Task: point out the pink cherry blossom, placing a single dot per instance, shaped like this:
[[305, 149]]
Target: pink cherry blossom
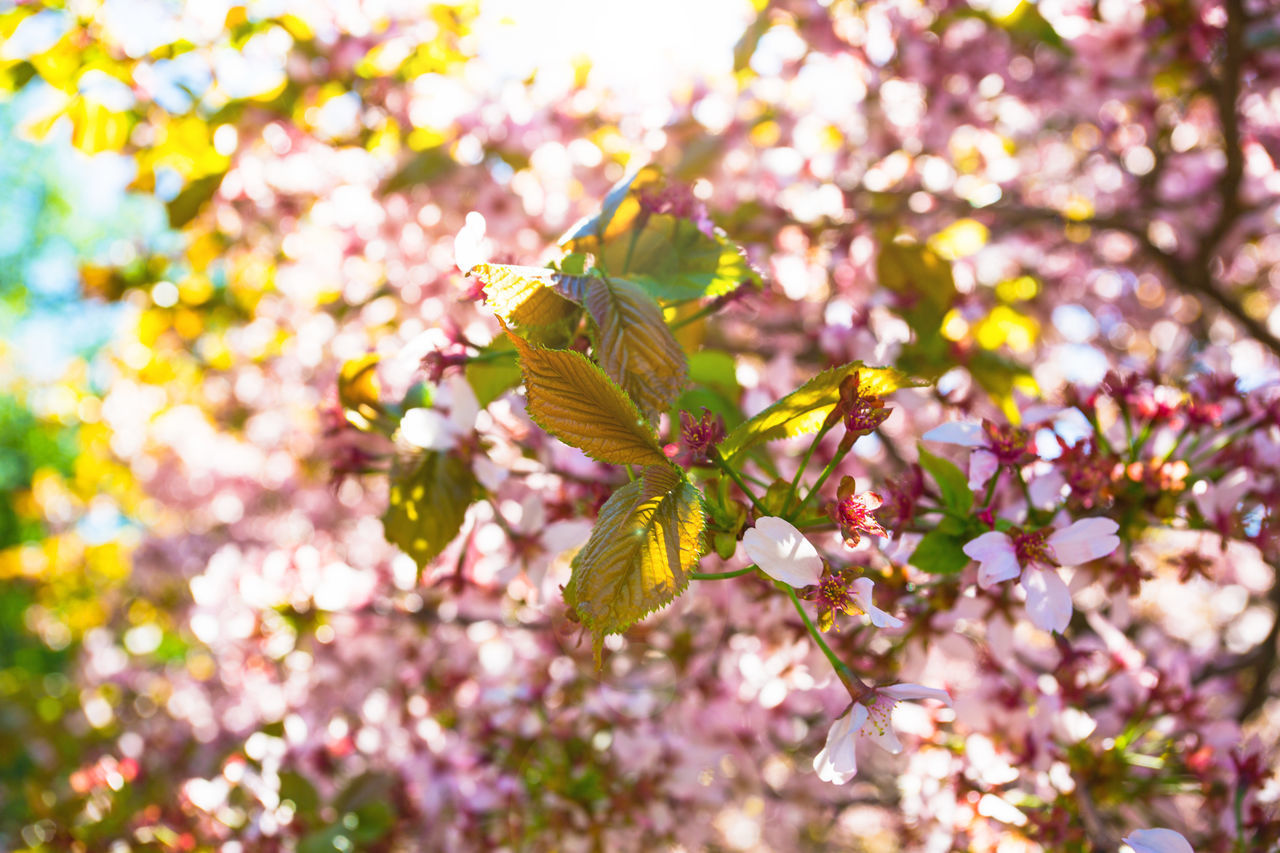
[[1034, 555], [837, 762], [782, 552]]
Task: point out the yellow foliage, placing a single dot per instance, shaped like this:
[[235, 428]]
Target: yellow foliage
[[960, 239], [1006, 327]]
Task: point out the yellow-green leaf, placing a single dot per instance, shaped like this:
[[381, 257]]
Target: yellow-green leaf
[[493, 371], [671, 259], [617, 211], [645, 543], [428, 501], [574, 400], [525, 298], [636, 348], [803, 410]]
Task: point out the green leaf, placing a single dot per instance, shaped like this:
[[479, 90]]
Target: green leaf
[[526, 298], [645, 543], [803, 410], [591, 229], [671, 259], [188, 203], [574, 400], [425, 167], [429, 499], [952, 483], [923, 279], [493, 371], [636, 348], [715, 369], [939, 554]]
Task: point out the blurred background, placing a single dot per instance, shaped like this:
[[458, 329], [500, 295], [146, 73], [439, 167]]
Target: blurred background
[[206, 208]]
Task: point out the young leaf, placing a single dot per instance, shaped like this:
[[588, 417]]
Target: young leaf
[[803, 410], [429, 499], [671, 259], [952, 483], [526, 298], [645, 543], [939, 554], [575, 401], [494, 371], [636, 348], [588, 231]]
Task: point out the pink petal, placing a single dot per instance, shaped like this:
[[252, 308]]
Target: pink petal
[[838, 761], [996, 558], [782, 552], [982, 464], [1048, 599], [1085, 540], [910, 691], [1158, 841], [958, 432]]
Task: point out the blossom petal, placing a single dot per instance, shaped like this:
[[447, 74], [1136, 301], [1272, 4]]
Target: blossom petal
[[428, 429], [1085, 540], [1048, 599], [838, 762], [782, 552], [467, 245], [1158, 841], [908, 691], [862, 588], [1046, 490], [997, 561], [982, 464], [958, 432], [885, 737]]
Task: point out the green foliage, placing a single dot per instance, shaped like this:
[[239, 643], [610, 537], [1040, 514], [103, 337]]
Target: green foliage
[[429, 497], [953, 485], [525, 297], [671, 259], [645, 543], [574, 400], [635, 346], [939, 553], [494, 371], [803, 411]]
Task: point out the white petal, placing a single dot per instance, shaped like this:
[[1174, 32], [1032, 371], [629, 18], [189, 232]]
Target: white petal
[[463, 405], [427, 428], [982, 464], [467, 245], [1048, 599], [838, 762], [958, 432], [916, 691], [782, 552], [1085, 540], [862, 588], [1158, 841], [886, 739], [996, 558]]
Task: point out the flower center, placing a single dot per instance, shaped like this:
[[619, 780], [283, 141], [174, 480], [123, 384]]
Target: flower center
[[880, 713], [1034, 548]]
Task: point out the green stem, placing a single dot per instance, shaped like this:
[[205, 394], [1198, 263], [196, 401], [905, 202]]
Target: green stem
[[804, 463], [737, 478], [836, 663], [822, 478], [1239, 811], [719, 576]]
